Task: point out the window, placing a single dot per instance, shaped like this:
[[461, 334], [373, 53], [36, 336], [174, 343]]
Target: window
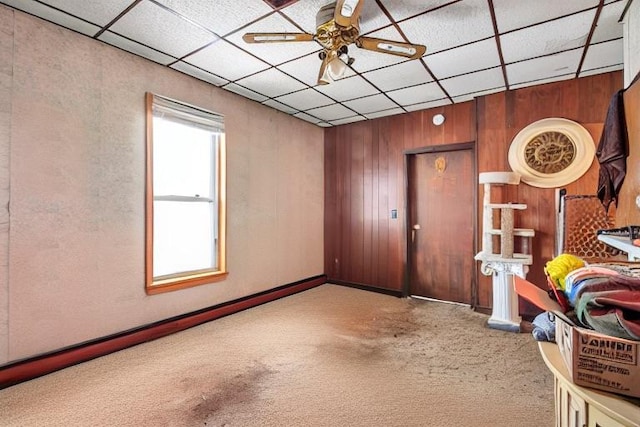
[[185, 210]]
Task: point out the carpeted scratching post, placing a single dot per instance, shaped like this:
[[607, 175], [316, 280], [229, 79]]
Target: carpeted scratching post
[[504, 264]]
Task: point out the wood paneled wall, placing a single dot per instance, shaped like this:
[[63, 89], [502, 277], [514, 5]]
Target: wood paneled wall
[[364, 174]]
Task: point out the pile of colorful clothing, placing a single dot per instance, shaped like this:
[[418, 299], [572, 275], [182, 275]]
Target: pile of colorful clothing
[[604, 297]]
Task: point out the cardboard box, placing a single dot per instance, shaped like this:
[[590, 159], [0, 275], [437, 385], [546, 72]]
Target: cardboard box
[[593, 359]]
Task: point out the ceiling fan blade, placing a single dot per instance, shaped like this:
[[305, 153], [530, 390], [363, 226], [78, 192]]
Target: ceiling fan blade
[[407, 50], [277, 37], [347, 12]]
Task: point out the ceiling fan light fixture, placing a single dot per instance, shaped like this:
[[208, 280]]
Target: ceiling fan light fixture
[[397, 49], [336, 68]]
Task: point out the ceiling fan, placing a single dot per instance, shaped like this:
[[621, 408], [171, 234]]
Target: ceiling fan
[[338, 26]]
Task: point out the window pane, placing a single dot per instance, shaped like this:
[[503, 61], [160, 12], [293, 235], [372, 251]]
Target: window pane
[[183, 238], [182, 159]]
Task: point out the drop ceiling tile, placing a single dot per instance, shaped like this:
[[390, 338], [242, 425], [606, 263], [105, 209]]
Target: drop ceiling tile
[[199, 74], [427, 105], [135, 48], [464, 59], [604, 55], [274, 53], [226, 61], [525, 13], [491, 79], [470, 96], [369, 104], [324, 124], [305, 99], [308, 118], [279, 106], [162, 30], [460, 23], [220, 16], [247, 93], [52, 15], [408, 73], [595, 71], [543, 81], [401, 9], [366, 60], [344, 121], [345, 89], [417, 94], [271, 83], [547, 68], [306, 69], [608, 26], [331, 112], [98, 12], [544, 39], [385, 113]]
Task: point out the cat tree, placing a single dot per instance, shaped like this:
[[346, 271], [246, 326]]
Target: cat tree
[[504, 264]]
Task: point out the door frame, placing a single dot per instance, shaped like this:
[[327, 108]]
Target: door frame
[[471, 146]]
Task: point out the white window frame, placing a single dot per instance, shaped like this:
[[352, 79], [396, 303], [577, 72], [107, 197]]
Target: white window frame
[[161, 107]]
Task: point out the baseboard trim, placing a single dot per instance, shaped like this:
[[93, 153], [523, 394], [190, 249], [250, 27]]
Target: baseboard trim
[[369, 288], [27, 369]]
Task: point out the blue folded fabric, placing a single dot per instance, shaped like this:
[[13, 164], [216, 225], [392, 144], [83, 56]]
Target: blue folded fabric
[[544, 327]]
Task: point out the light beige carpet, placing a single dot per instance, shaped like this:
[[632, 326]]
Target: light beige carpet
[[330, 356]]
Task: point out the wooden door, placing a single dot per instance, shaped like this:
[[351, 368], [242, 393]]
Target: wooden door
[[441, 224]]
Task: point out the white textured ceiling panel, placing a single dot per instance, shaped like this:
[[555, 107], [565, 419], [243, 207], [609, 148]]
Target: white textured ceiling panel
[[136, 48], [370, 104], [549, 38], [309, 118], [155, 27], [247, 93], [417, 94], [271, 83], [491, 79], [53, 15], [227, 61], [465, 59], [402, 9], [274, 53], [542, 41], [425, 105], [460, 23], [595, 71], [528, 13], [279, 106], [346, 120], [405, 74], [219, 16], [384, 113], [305, 99], [608, 26], [198, 73], [331, 112], [98, 12], [603, 55], [558, 66], [346, 89]]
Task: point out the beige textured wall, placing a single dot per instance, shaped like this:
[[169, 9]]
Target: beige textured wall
[[73, 122]]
